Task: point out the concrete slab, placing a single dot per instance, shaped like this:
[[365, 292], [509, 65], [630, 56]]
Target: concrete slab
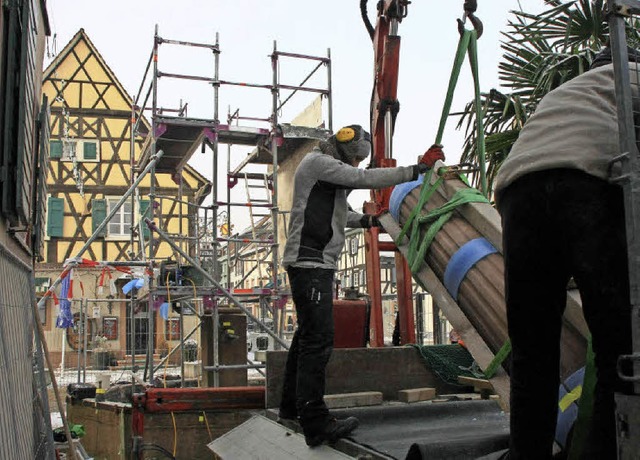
[[364, 398], [261, 438]]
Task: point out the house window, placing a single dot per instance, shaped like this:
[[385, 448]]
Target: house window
[[80, 149], [120, 223], [353, 246], [172, 329]]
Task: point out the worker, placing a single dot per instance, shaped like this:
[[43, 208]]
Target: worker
[[319, 215], [563, 218]]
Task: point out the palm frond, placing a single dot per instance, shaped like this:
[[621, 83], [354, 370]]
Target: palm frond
[[541, 52]]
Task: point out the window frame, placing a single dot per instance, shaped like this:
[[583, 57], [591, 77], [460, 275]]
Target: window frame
[[78, 145], [111, 200]]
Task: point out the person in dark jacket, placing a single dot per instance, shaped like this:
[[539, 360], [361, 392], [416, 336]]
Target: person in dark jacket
[[563, 218], [319, 215]]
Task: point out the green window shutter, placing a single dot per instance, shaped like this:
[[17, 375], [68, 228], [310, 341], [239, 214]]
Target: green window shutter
[[55, 149], [90, 150], [144, 205], [98, 214], [56, 217]]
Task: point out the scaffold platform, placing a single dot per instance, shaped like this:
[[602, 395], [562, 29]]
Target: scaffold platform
[[180, 137]]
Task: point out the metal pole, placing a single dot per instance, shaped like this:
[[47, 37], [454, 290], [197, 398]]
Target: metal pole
[[216, 345], [214, 282], [329, 92], [85, 338], [152, 191], [64, 348], [630, 177], [274, 175], [134, 127], [181, 348], [214, 230], [214, 179], [80, 331], [228, 219]]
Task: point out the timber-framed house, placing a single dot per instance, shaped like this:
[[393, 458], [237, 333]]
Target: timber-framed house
[[90, 169]]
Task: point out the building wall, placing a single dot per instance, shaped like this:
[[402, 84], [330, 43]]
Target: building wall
[[90, 107], [24, 424]]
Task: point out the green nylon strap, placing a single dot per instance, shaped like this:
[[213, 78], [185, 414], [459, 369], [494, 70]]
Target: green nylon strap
[[436, 218], [463, 45], [497, 360], [468, 44], [425, 194], [477, 102]]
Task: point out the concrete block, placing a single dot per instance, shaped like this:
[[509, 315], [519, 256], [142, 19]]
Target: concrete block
[[416, 394], [364, 398], [192, 370]]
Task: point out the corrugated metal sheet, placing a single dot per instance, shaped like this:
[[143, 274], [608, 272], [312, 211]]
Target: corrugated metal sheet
[[24, 432]]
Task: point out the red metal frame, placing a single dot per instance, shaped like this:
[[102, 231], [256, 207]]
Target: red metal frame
[[199, 399], [166, 400], [387, 59]]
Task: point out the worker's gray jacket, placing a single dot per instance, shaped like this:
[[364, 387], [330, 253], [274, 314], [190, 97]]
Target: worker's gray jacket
[[319, 213], [575, 126]]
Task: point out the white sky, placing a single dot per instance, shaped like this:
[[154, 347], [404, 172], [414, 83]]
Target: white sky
[[123, 33]]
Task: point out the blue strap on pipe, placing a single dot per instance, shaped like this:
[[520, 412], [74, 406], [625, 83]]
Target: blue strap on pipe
[[399, 193], [463, 260]]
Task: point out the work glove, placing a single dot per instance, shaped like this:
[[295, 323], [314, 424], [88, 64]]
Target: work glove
[[433, 154], [369, 221]]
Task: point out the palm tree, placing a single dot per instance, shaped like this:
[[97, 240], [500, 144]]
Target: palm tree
[[540, 53]]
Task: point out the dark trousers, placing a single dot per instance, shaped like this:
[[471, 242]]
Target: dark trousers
[[557, 224], [311, 347]]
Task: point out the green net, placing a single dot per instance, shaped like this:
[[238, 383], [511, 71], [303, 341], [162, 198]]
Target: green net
[[449, 362]]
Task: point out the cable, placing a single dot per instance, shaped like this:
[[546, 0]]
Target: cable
[[365, 18], [150, 446], [166, 365], [204, 414]]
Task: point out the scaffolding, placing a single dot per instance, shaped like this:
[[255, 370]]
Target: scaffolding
[[168, 145], [625, 14]]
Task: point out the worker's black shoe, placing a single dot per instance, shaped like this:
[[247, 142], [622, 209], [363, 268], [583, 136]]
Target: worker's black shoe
[[284, 414], [333, 430]]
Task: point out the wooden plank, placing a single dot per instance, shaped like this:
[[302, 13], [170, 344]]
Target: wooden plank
[[478, 384]]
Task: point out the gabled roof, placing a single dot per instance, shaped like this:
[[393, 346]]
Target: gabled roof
[[82, 37], [66, 53]]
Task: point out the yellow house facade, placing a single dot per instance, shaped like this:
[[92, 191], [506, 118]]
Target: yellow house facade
[[92, 163]]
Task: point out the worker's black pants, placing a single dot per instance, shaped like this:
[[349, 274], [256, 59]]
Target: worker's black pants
[[557, 224], [311, 347]]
